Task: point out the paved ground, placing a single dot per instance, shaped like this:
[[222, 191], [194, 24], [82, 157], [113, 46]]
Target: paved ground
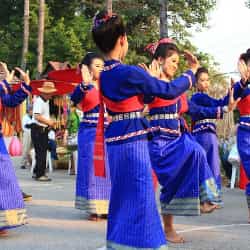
[[54, 224]]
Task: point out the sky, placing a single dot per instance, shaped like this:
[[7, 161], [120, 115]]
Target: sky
[[228, 34]]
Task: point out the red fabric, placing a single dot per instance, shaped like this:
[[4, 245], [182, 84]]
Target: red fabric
[[66, 75], [99, 148], [159, 103], [243, 178], [155, 180], [244, 106], [0, 111], [128, 105], [91, 100], [184, 104]]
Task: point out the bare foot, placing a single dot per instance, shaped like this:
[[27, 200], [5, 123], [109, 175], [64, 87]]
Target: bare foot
[[207, 207], [218, 206], [173, 236], [3, 233]]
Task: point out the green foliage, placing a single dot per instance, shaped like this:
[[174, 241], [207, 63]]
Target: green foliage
[[68, 28]]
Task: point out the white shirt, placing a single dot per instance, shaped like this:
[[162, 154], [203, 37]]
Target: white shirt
[[26, 121], [41, 107], [52, 135]]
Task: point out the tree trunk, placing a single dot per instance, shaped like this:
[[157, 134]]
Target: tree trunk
[[40, 38], [109, 6], [163, 18], [25, 34]]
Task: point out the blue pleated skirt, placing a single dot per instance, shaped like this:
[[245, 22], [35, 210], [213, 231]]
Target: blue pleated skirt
[[183, 173], [209, 142], [12, 211], [133, 221], [92, 192], [243, 143]]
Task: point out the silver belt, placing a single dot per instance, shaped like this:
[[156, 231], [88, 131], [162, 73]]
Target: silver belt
[[91, 115], [127, 116], [245, 116], [205, 121], [164, 116]]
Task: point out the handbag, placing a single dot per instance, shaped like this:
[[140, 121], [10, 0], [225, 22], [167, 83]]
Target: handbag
[[72, 140]]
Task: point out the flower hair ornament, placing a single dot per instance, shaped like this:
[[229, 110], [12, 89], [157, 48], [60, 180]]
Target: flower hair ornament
[[151, 48], [99, 21]]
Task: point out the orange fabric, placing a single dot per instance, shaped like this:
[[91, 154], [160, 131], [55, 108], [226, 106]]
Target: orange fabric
[[91, 100]]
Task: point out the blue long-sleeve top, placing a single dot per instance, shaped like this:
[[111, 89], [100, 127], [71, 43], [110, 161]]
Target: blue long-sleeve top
[[205, 100], [174, 127], [120, 82], [89, 118], [12, 100]]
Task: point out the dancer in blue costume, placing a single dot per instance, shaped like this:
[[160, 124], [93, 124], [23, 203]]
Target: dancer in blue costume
[[12, 211], [92, 192], [243, 133], [204, 130], [133, 221], [188, 186]]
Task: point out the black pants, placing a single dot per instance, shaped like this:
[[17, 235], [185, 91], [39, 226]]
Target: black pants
[[39, 136]]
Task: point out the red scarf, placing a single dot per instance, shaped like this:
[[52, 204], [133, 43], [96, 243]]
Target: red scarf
[[99, 148]]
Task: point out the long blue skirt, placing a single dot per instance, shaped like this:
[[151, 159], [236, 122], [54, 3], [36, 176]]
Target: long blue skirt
[[243, 143], [183, 173], [12, 211], [92, 192], [133, 221], [209, 143]]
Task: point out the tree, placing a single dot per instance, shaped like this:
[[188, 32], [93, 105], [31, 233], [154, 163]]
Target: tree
[[25, 34], [109, 6], [163, 18], [68, 25], [40, 47]]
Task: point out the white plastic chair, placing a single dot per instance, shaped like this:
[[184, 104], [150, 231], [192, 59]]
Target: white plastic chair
[[235, 167], [234, 159], [73, 155]]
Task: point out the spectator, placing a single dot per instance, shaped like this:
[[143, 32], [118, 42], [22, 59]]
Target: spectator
[[26, 126], [41, 122]]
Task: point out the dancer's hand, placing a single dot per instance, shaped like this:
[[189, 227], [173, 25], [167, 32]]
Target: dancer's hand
[[87, 77], [153, 69], [243, 70], [232, 104], [192, 61], [8, 76], [24, 75]]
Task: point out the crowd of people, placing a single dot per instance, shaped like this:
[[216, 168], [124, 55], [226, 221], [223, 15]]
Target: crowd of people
[[120, 151]]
